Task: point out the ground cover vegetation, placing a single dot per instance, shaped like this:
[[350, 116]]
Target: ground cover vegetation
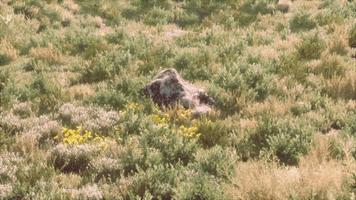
[[75, 125]]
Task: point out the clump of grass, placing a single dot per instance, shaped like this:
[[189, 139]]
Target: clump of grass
[[331, 66], [8, 52], [352, 36], [48, 54], [342, 87]]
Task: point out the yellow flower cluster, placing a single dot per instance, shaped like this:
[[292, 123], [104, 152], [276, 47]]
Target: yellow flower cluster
[[133, 106], [159, 120], [79, 136], [189, 132], [180, 120]]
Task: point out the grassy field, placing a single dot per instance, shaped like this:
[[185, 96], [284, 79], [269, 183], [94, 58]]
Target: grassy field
[[74, 124]]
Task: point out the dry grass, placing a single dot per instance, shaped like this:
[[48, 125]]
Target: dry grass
[[342, 87], [49, 54], [317, 177], [8, 50]]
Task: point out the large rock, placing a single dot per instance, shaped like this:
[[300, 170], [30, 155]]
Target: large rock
[[168, 88]]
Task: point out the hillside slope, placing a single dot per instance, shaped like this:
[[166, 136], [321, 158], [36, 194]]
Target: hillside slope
[[73, 123]]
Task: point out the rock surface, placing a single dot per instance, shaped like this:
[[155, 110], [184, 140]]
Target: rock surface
[[168, 88]]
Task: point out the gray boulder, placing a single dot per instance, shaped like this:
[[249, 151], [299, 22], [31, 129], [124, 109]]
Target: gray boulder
[[168, 88]]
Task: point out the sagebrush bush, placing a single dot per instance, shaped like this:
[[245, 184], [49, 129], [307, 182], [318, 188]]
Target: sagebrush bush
[[105, 167], [302, 21], [249, 10], [158, 181], [46, 94], [22, 109], [199, 186], [83, 43], [158, 16], [106, 66], [217, 162], [278, 138], [85, 192], [290, 65], [213, 133], [72, 158], [90, 118], [311, 46]]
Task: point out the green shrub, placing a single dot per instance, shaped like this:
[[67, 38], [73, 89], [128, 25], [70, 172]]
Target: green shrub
[[229, 80], [300, 108], [117, 37], [227, 102], [105, 66], [214, 133], [329, 16], [311, 47], [184, 19], [13, 92], [4, 59], [302, 21], [199, 186], [250, 9], [83, 43], [195, 65], [350, 127], [109, 97], [278, 138], [256, 82], [158, 16], [157, 182], [173, 147], [352, 36], [205, 8], [145, 4], [216, 161], [46, 94], [291, 65], [133, 156]]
